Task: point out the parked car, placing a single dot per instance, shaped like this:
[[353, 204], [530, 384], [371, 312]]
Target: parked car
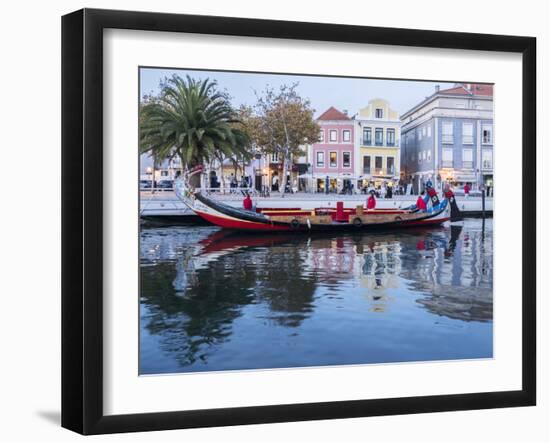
[[144, 184], [165, 184]]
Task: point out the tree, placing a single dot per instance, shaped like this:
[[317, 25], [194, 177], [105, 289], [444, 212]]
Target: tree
[[191, 120], [283, 123]]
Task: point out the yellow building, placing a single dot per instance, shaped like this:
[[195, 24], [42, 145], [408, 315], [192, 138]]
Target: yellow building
[[379, 133]]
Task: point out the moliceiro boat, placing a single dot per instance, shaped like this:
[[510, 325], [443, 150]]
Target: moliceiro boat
[[318, 219]]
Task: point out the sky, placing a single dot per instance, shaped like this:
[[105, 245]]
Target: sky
[[349, 94]]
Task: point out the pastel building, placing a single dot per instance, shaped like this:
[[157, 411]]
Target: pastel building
[[378, 142], [448, 137], [332, 158]]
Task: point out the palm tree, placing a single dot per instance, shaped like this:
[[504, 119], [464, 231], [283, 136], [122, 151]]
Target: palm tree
[[191, 120]]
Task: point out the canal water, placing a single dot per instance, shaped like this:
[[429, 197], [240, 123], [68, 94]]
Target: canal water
[[212, 300]]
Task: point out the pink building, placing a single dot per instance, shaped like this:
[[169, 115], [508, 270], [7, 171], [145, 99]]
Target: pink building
[[332, 158]]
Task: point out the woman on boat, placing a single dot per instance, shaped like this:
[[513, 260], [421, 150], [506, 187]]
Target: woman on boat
[[247, 202], [371, 201], [420, 202]]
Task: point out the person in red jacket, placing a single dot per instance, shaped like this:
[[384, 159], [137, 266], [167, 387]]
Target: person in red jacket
[[466, 189], [432, 194], [450, 196], [420, 202], [371, 201], [448, 192], [247, 202]]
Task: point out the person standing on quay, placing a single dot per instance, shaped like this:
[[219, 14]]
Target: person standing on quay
[[371, 201], [466, 190]]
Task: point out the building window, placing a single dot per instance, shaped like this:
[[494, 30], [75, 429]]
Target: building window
[[467, 158], [366, 164], [333, 159], [333, 135], [390, 137], [487, 159], [378, 164], [390, 164], [379, 136], [420, 133], [447, 158], [275, 157], [367, 136], [379, 113], [447, 133], [321, 136], [346, 159], [346, 135], [320, 159], [429, 155], [487, 134], [429, 131], [467, 133]]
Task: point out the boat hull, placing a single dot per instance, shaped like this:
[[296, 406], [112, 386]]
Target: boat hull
[[229, 217], [223, 216]]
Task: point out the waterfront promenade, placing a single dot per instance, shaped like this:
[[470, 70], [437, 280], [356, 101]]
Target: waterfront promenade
[[166, 204]]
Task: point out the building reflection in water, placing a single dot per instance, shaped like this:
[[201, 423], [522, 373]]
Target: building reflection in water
[[196, 282]]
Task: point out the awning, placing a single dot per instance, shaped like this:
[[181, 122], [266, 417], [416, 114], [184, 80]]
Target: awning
[[465, 178], [333, 176]]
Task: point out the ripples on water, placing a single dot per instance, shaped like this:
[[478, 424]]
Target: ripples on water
[[214, 300]]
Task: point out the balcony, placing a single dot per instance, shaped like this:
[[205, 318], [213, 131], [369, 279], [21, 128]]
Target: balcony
[[366, 170], [447, 139], [388, 144], [446, 163], [467, 164]]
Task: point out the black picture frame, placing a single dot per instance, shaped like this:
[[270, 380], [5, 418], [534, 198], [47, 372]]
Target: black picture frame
[[82, 215]]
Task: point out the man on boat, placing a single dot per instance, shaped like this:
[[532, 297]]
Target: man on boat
[[420, 202], [371, 201], [450, 196], [432, 194], [247, 202]]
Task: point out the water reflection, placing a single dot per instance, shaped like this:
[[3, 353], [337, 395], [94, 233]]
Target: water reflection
[[215, 300]]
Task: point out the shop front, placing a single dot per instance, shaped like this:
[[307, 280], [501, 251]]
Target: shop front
[[339, 184], [489, 184]]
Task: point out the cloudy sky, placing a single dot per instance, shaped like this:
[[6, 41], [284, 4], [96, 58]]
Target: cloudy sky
[[349, 94]]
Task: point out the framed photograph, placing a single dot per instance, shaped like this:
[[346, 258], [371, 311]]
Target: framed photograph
[[269, 221]]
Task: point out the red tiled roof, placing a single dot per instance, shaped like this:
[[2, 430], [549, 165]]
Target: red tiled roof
[[333, 114], [469, 89]]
